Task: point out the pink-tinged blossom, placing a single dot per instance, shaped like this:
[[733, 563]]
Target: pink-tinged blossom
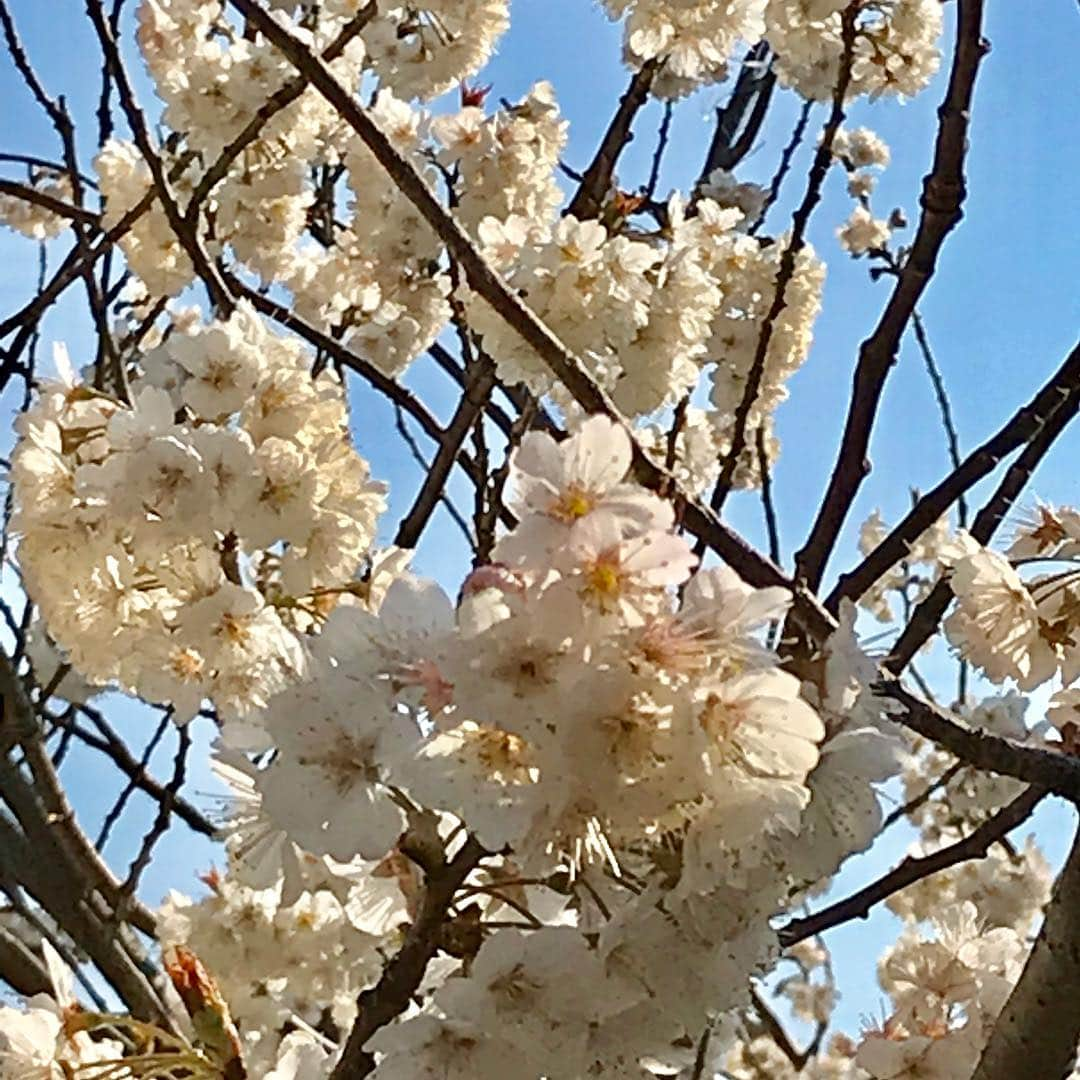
[[612, 576], [556, 487]]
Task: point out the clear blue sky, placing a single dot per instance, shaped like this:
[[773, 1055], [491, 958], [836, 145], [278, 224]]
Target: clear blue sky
[[1001, 313]]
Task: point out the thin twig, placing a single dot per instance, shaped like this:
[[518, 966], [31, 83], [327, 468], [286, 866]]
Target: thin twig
[[786, 158], [786, 270], [911, 870]]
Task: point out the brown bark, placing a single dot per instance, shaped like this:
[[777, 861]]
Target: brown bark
[[1037, 1032]]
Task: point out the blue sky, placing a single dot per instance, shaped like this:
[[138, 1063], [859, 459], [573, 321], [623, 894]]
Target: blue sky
[[1001, 313]]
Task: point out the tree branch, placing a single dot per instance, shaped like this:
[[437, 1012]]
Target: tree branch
[[924, 622], [1050, 769], [787, 155], [480, 381], [1037, 1032], [57, 206], [596, 179], [20, 968], [753, 86], [401, 977], [942, 202], [911, 870], [1022, 426]]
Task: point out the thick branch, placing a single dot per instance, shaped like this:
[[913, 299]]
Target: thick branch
[[1037, 1031], [57, 206], [942, 201], [401, 977], [754, 85], [20, 968], [1050, 769]]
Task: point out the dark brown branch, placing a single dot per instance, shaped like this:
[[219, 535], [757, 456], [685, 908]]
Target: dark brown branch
[[110, 744], [401, 977], [104, 109], [418, 456], [911, 870], [941, 395], [942, 201], [34, 861], [117, 808], [596, 180], [20, 967], [1045, 768], [662, 137], [1021, 427], [1038, 1029], [160, 825], [750, 564], [754, 85], [778, 1033], [924, 796], [36, 162], [53, 110], [30, 194], [701, 1057], [772, 528], [494, 506], [926, 617], [787, 155], [441, 355], [480, 381], [786, 270]]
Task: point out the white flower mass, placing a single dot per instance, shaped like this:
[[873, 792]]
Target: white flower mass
[[601, 725]]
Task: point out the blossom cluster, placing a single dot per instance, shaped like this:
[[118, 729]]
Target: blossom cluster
[[894, 50], [858, 151], [893, 46], [35, 220], [1016, 627], [649, 318], [946, 992], [178, 543], [636, 766]]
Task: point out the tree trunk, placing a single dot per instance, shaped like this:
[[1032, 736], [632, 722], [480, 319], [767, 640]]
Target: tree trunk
[[1037, 1033]]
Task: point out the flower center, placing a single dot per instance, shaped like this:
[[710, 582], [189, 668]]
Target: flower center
[[573, 504], [604, 580]]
